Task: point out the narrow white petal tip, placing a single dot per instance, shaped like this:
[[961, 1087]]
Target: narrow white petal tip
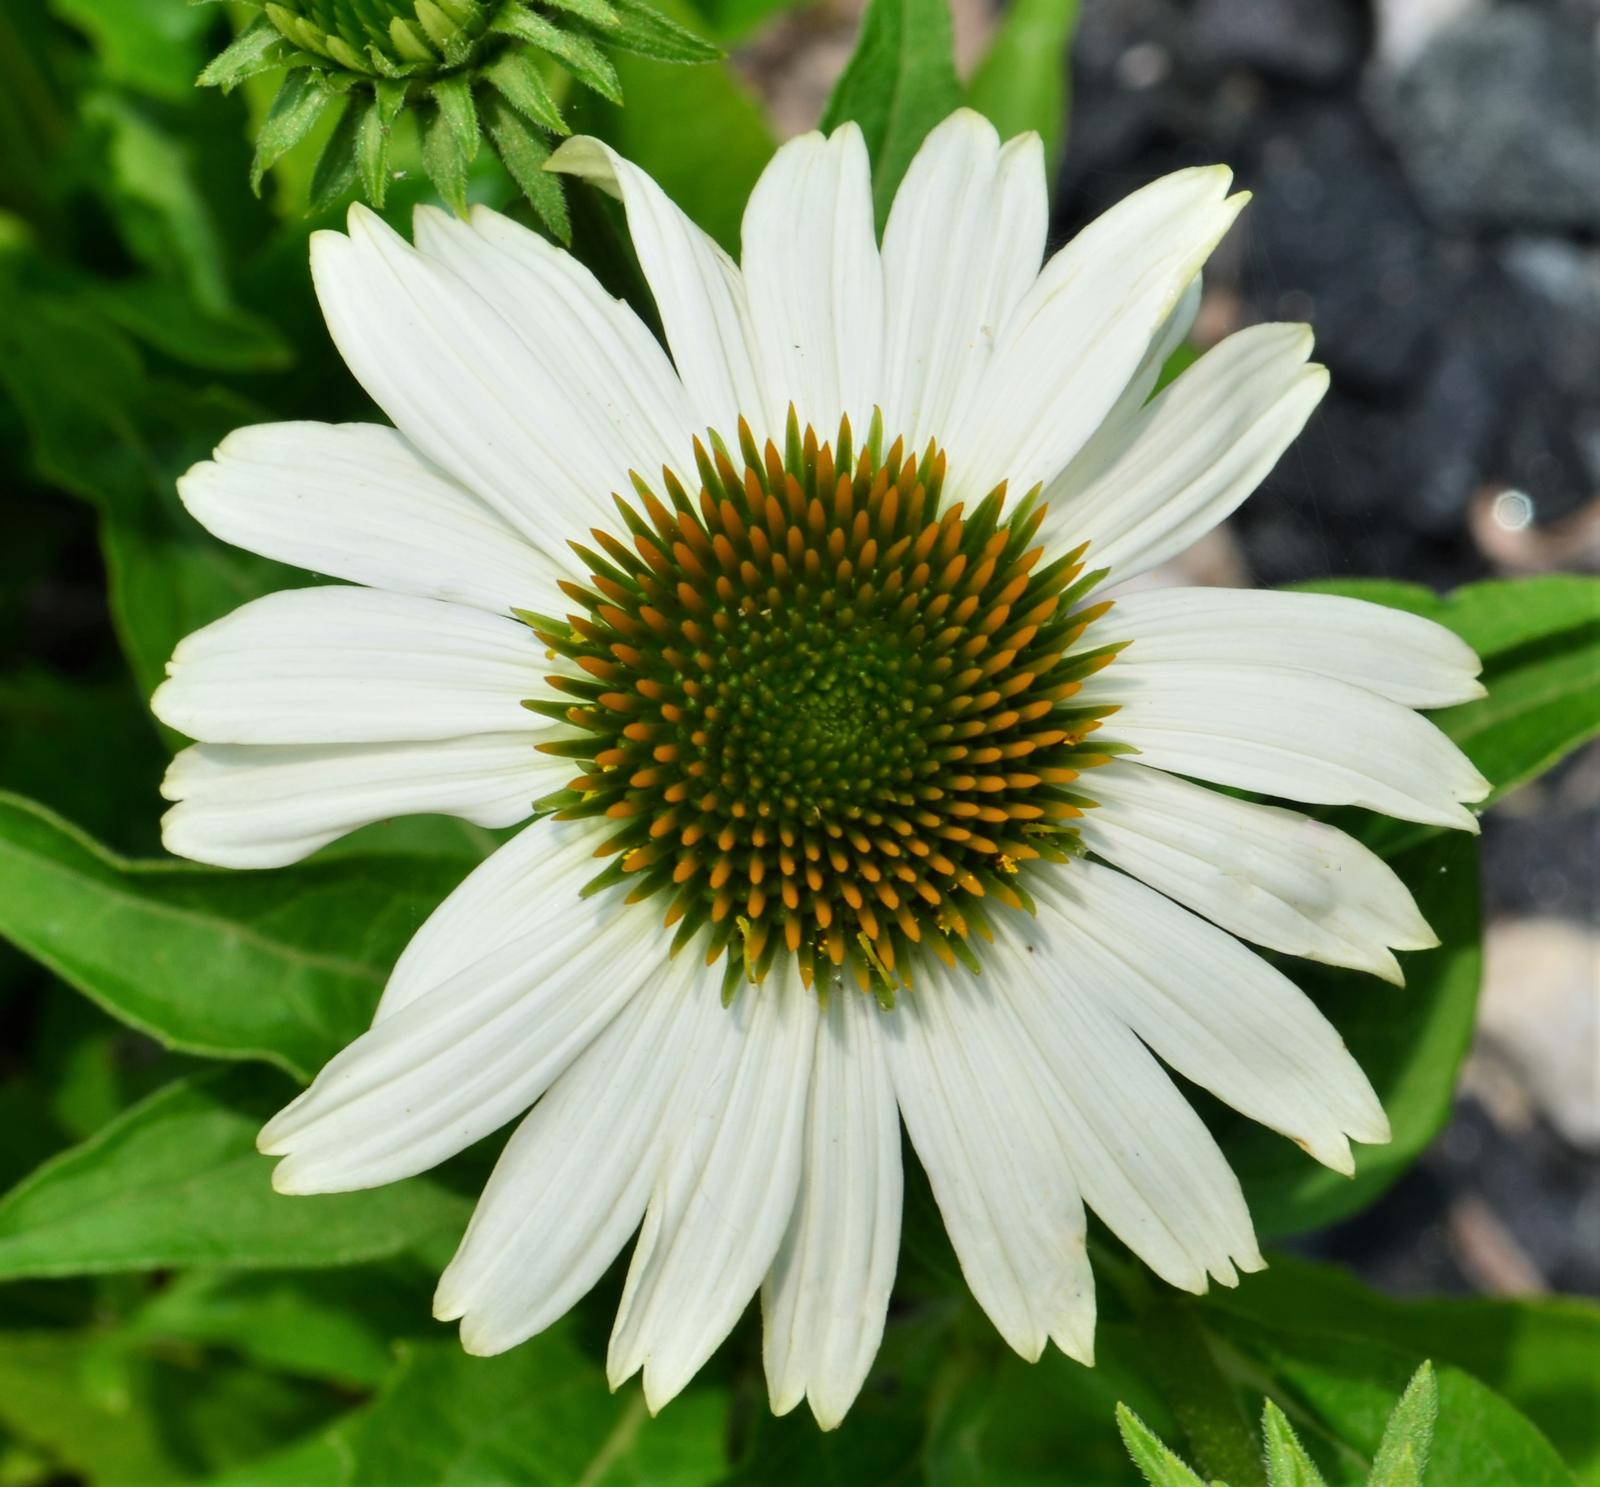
[[662, 1386], [448, 1305], [478, 1338], [1335, 1155], [829, 1413], [1078, 1346], [784, 1397], [1386, 968], [294, 1181]]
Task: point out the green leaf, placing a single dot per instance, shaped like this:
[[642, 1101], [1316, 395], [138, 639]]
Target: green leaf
[[105, 1413], [1409, 1040], [372, 153], [540, 1413], [1161, 1467], [176, 1180], [1287, 1463], [332, 1326], [644, 29], [1021, 83], [151, 46], [258, 48], [1537, 1351], [1402, 1459], [302, 954], [524, 152], [299, 103], [898, 84]]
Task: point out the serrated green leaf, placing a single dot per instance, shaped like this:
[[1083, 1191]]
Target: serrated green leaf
[[1402, 1459], [580, 56], [151, 941], [520, 79], [336, 165], [645, 30], [899, 83], [524, 153], [258, 48], [1287, 1462], [299, 103], [1021, 83], [176, 1180], [1161, 1466]]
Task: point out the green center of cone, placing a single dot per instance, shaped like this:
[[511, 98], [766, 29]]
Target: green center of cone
[[830, 716]]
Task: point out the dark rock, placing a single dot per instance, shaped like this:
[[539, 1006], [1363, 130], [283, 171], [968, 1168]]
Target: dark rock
[[1336, 237], [1498, 120], [1311, 41]]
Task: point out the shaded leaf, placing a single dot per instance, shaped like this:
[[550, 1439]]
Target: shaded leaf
[[176, 1180], [299, 103], [524, 152], [284, 966], [899, 83], [258, 48], [644, 29]]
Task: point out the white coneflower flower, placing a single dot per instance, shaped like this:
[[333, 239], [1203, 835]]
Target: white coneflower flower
[[844, 818]]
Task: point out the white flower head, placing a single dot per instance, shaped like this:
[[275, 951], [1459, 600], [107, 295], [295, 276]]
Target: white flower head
[[800, 637]]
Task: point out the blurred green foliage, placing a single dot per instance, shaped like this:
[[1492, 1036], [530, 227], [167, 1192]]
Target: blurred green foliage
[[164, 1317]]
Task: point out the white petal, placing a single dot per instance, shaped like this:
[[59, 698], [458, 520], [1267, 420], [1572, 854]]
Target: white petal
[[1192, 454], [824, 1302], [1267, 874], [497, 902], [1144, 1160], [348, 665], [1397, 655], [249, 805], [571, 1186], [985, 1118], [698, 289], [1078, 336], [618, 382], [725, 1192], [1120, 425], [355, 501], [962, 246], [1288, 733], [1215, 1011], [472, 1053], [815, 282], [469, 389]]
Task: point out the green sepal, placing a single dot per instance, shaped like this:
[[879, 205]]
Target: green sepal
[[372, 152], [524, 153], [1287, 1462], [295, 110], [645, 30], [580, 56], [1402, 1458], [518, 76], [335, 171], [410, 42], [1161, 1466], [444, 153], [596, 13], [258, 48], [460, 114]]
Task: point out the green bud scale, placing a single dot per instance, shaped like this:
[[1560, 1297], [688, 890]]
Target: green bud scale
[[830, 716], [469, 69]]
